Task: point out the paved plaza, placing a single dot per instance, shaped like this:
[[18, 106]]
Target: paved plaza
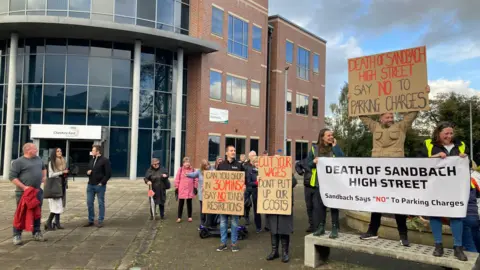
[[76, 247]]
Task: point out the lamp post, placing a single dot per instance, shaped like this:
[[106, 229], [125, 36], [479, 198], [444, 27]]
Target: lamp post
[[471, 132], [285, 122]]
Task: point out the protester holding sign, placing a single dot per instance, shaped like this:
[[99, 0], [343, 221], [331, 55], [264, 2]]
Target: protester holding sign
[[326, 147], [281, 226], [389, 141], [441, 145], [230, 164]]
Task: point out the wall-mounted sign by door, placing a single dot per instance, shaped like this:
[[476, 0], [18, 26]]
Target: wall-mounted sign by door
[[66, 132], [218, 116]]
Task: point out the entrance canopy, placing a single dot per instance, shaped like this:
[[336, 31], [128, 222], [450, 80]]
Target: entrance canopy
[[66, 132]]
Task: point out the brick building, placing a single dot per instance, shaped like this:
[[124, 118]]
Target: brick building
[[154, 78]]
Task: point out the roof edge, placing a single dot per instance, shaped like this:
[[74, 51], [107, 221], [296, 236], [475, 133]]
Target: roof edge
[[273, 17]]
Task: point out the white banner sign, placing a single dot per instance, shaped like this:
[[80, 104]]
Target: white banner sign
[[218, 116], [410, 186]]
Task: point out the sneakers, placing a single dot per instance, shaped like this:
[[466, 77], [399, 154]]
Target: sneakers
[[17, 240], [259, 230], [438, 252], [368, 236], [235, 248], [222, 247], [404, 242], [458, 253], [38, 236]]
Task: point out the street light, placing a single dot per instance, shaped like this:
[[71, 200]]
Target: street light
[[285, 122]]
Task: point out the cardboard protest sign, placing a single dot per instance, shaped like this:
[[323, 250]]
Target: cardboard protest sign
[[223, 192], [275, 186], [432, 187], [388, 82]]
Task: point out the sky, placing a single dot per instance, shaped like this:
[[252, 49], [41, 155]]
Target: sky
[[449, 28]]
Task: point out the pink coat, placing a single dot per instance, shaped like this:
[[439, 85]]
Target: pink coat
[[184, 184]]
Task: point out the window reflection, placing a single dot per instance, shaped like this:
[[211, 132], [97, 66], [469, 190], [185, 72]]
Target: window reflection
[[121, 98]]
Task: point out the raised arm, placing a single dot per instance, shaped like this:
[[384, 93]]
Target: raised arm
[[408, 119], [367, 121], [194, 174]]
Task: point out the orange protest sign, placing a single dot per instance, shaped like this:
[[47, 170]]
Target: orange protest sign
[[275, 186], [223, 192], [388, 82]]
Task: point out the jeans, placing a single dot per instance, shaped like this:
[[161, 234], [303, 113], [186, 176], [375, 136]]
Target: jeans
[[224, 229], [376, 219], [471, 235], [312, 201], [36, 222], [93, 190], [456, 225], [257, 217]]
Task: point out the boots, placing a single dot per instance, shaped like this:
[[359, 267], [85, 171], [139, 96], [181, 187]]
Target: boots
[[458, 253], [334, 233], [320, 230], [48, 224], [275, 242], [438, 252], [57, 222], [285, 247]]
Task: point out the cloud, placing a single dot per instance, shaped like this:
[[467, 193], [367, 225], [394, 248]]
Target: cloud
[[448, 28], [461, 87]]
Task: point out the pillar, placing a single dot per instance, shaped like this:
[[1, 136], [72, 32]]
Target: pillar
[[135, 109], [179, 110], [12, 85]]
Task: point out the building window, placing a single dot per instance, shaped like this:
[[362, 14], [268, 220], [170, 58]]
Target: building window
[[315, 107], [257, 38], [289, 52], [237, 37], [302, 104], [301, 150], [213, 148], [316, 63], [289, 148], [254, 145], [215, 85], [217, 21], [255, 94], [238, 143], [303, 63], [236, 90], [289, 101]]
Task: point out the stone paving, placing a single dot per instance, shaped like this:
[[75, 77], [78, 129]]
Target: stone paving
[[76, 247]]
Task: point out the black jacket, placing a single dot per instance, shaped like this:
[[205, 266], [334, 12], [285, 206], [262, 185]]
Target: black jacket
[[230, 166], [251, 176], [423, 152], [303, 169], [101, 172]]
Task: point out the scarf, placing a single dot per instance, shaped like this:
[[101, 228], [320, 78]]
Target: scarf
[[325, 151], [59, 164]]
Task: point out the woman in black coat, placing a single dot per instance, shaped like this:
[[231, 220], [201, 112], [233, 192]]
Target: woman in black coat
[[158, 178], [281, 226]]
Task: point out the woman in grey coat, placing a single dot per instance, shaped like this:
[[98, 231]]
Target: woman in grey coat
[[158, 178], [281, 226]]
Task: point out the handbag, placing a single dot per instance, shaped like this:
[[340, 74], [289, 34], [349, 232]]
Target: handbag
[[53, 188]]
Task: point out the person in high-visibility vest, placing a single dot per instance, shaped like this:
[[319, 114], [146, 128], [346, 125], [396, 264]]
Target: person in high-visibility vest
[[442, 145], [326, 147]]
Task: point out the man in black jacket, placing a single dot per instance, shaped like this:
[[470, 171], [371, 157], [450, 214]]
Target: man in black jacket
[[229, 164], [312, 195], [99, 172]]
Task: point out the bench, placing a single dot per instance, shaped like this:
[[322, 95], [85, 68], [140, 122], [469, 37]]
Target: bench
[[317, 251]]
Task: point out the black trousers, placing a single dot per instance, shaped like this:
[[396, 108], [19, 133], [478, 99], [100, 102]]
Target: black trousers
[[257, 217], [333, 212], [181, 202], [203, 217], [314, 206], [162, 210], [375, 222]]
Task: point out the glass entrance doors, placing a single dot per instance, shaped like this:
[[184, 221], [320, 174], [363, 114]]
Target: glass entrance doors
[[77, 153]]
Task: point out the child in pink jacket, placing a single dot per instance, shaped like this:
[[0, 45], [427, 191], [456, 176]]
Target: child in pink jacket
[[185, 188]]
